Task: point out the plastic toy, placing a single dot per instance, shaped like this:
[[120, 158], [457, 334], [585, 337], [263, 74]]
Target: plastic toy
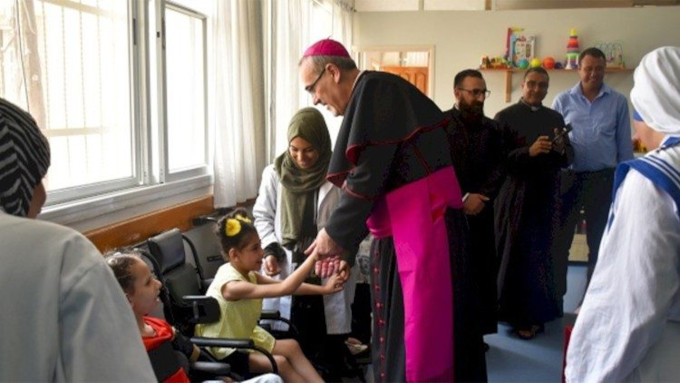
[[572, 50], [523, 64], [486, 63], [535, 62], [549, 63]]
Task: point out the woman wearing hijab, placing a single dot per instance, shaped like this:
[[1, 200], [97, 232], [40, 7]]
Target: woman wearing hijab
[[65, 317], [294, 202], [628, 328]]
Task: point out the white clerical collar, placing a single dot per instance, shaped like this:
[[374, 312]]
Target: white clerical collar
[[534, 108]]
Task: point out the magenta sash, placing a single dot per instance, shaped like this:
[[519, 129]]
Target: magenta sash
[[414, 215]]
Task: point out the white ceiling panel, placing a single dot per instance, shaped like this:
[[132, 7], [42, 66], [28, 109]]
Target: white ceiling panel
[[455, 5], [558, 4], [386, 5], [498, 5]]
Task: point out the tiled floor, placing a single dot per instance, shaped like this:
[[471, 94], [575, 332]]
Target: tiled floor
[[511, 359], [579, 249]]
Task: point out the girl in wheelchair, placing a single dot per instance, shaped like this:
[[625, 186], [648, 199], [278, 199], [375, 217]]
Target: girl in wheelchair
[[142, 291], [239, 289]]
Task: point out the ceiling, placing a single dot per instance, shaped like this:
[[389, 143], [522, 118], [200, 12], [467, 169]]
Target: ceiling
[[480, 5]]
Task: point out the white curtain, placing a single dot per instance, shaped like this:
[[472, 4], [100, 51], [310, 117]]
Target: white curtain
[[290, 30], [257, 48], [342, 13], [286, 38], [342, 22], [238, 111]]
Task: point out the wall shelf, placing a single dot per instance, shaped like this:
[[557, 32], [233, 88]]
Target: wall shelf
[[509, 72]]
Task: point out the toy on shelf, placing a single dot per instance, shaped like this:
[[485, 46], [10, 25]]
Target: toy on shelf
[[518, 46], [572, 51], [510, 41], [613, 52], [549, 63], [523, 48], [486, 63], [494, 63], [535, 62]]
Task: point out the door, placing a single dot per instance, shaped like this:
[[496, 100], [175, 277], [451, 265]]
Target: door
[[416, 75]]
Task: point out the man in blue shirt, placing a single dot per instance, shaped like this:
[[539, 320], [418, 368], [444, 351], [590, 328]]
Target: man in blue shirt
[[601, 138]]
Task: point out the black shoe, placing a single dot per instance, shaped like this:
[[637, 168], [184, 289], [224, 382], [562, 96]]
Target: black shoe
[[485, 347]]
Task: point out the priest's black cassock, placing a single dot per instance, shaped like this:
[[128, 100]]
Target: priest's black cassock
[[526, 218]]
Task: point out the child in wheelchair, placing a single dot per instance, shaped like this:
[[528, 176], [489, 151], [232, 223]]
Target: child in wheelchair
[[239, 289], [142, 291]]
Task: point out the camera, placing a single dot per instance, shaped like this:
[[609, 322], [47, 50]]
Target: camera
[[561, 133], [558, 142]]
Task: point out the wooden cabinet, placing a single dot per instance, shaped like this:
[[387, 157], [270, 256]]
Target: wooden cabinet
[[416, 75]]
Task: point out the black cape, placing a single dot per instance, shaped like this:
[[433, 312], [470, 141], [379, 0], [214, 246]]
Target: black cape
[[391, 135]]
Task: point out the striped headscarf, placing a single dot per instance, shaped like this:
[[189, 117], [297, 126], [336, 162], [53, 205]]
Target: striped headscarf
[[24, 158]]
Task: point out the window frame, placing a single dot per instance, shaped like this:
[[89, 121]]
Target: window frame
[[166, 175], [154, 187], [74, 193]]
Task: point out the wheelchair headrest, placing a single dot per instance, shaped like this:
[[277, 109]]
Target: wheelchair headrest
[[168, 249]]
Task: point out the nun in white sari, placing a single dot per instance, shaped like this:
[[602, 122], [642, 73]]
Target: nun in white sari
[[628, 328]]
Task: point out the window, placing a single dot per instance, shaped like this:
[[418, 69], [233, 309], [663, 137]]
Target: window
[[89, 72], [76, 83], [186, 89]]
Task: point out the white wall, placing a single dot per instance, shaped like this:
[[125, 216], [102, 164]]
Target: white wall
[[461, 38]]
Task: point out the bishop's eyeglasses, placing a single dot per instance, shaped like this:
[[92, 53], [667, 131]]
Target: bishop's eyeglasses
[[310, 88]]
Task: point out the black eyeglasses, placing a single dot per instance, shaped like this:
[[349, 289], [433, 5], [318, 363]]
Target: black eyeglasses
[[310, 88], [477, 92]]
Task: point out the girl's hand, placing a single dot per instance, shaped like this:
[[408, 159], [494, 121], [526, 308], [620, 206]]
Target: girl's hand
[[343, 270], [271, 266], [334, 284]]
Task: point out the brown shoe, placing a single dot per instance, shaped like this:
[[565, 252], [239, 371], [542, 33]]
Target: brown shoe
[[530, 333]]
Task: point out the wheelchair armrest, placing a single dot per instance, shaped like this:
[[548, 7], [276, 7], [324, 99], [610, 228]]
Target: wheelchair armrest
[[270, 314], [236, 343], [276, 315], [212, 368], [223, 342]]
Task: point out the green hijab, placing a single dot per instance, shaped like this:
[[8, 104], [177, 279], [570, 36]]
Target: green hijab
[[301, 185]]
